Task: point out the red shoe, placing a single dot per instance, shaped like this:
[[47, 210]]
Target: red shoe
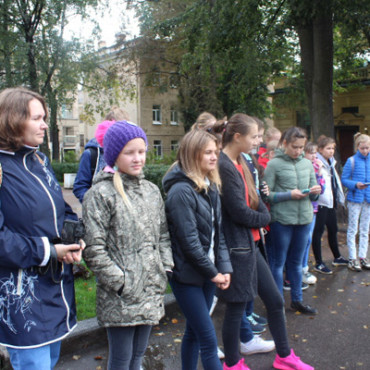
[[292, 362], [239, 366]]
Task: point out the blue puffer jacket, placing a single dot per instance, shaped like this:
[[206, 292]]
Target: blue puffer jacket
[[84, 178], [360, 173], [35, 309]]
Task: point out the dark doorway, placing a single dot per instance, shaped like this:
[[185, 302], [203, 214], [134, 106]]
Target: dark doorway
[[344, 135]]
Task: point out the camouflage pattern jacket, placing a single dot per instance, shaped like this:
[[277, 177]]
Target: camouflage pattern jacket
[[127, 247]]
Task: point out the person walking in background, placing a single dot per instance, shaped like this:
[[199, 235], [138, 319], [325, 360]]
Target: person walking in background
[[328, 202], [243, 214], [127, 246], [292, 183], [92, 160], [356, 177], [201, 257], [37, 301]]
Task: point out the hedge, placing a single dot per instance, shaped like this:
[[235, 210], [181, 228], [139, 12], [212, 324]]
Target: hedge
[[153, 172]]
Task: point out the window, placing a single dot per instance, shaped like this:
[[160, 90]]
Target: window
[[82, 140], [174, 81], [66, 112], [174, 117], [157, 144], [349, 109], [174, 145], [157, 115]]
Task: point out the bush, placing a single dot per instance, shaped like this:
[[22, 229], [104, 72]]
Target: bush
[[155, 173], [70, 156], [61, 168]]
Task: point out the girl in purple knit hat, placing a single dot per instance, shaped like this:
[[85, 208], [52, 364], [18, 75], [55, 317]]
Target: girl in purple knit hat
[[127, 246]]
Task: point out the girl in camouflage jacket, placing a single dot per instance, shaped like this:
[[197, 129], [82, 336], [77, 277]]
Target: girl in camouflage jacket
[[128, 246]]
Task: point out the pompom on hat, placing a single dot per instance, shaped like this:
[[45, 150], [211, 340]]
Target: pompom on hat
[[101, 130], [116, 138]]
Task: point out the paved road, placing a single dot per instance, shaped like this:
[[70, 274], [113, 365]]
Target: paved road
[[337, 338]]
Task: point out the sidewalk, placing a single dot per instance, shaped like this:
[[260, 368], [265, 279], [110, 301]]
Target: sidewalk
[[336, 338]]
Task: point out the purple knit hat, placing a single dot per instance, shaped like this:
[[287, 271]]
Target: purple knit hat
[[117, 136]]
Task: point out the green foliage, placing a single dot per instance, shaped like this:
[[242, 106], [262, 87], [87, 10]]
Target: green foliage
[[70, 156], [61, 168], [155, 173]]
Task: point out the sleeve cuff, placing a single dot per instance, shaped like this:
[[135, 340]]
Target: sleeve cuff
[[46, 242]]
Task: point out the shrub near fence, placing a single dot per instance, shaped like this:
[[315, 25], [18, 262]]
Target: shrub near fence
[[61, 168], [153, 172]]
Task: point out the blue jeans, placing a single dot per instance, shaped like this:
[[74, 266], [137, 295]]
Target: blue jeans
[[195, 302], [246, 333], [41, 358], [289, 245], [127, 346], [307, 251]]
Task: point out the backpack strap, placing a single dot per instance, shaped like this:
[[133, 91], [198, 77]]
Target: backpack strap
[[93, 159]]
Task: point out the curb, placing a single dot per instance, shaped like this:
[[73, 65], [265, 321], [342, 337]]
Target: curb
[[87, 332]]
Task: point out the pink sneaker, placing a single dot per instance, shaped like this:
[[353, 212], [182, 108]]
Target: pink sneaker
[[292, 362], [239, 366]]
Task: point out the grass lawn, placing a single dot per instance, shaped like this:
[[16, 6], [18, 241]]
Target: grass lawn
[[86, 297]]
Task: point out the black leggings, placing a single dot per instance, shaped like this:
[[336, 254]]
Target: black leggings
[[272, 299], [325, 217]]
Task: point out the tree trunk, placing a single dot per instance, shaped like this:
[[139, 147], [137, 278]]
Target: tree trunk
[[53, 122], [316, 42], [322, 87]]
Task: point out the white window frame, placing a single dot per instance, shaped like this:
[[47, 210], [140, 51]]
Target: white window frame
[[174, 145], [174, 117], [156, 114], [158, 149]]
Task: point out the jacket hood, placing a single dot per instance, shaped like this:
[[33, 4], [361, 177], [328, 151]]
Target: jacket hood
[[175, 175], [93, 143], [331, 163], [280, 153], [107, 175]]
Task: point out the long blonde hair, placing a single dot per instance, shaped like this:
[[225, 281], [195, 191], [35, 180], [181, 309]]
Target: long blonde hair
[[191, 149], [118, 185]]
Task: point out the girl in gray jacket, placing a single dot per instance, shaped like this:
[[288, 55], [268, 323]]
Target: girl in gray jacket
[[128, 246]]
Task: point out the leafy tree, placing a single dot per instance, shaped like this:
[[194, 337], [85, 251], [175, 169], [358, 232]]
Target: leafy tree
[[35, 54]]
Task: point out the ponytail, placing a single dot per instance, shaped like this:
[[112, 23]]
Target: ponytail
[[118, 184]]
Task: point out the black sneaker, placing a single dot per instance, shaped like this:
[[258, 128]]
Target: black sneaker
[[255, 326], [286, 285], [261, 320], [322, 269], [340, 261], [303, 308]]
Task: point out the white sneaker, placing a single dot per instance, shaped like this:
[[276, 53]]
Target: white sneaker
[[308, 278], [256, 345], [220, 354]]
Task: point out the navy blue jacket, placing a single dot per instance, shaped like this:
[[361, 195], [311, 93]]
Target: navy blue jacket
[[189, 217], [84, 178], [34, 310], [359, 173]]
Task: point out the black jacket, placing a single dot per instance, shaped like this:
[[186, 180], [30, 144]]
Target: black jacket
[[189, 216], [238, 219]]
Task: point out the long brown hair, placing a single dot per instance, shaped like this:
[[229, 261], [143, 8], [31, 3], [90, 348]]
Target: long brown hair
[[14, 113], [239, 123]]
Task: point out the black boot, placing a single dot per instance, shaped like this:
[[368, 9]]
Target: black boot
[[303, 308]]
